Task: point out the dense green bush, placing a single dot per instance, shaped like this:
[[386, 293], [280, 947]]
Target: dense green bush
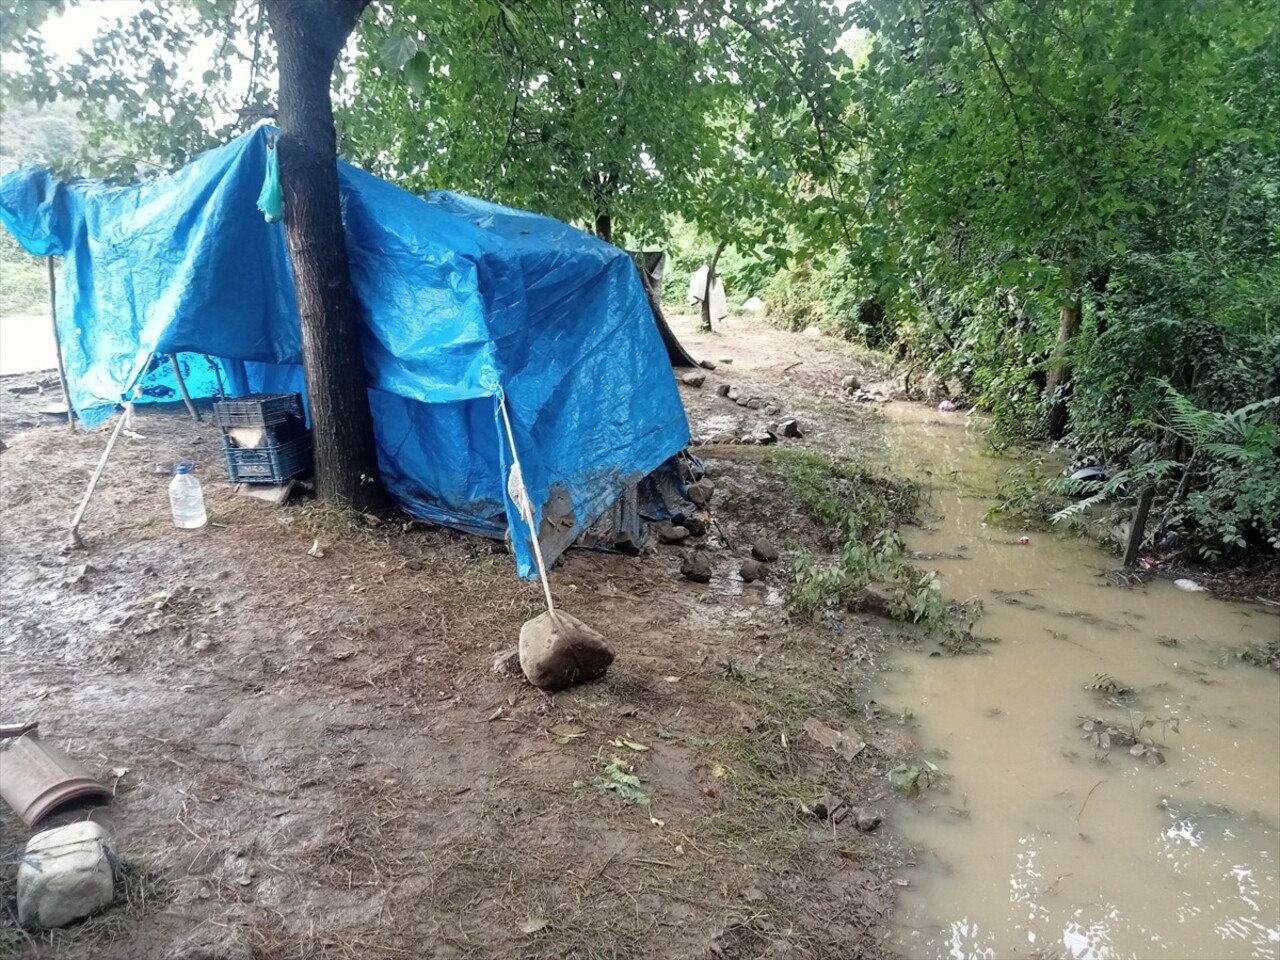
[[1221, 490]]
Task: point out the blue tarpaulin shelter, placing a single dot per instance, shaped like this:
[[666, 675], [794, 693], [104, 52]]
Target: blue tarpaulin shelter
[[463, 301]]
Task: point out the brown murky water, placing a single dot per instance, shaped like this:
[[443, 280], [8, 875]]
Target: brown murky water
[[1036, 841]]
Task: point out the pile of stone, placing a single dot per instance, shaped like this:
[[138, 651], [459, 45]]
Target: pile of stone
[[763, 553], [748, 400], [851, 389]]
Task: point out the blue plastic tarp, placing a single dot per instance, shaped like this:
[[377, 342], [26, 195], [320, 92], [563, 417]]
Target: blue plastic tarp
[[463, 301]]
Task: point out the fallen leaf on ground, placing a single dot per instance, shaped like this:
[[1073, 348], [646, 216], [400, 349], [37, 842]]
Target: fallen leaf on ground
[[842, 743], [629, 744], [531, 926], [564, 732]]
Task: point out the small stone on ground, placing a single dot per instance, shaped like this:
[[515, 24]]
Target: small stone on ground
[[694, 525], [874, 599], [693, 379], [670, 533], [866, 820], [764, 551], [723, 390], [790, 428], [696, 567], [701, 492], [752, 570]]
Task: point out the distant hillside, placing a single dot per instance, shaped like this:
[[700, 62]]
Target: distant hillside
[[28, 134], [51, 134]]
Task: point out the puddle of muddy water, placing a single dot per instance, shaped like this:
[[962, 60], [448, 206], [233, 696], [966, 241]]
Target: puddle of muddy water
[[1039, 843]]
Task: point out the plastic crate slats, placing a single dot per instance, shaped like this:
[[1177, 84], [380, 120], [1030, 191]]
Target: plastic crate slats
[[258, 410]]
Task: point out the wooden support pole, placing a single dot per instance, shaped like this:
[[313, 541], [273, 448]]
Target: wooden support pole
[[57, 344], [182, 388], [73, 539], [1139, 530]]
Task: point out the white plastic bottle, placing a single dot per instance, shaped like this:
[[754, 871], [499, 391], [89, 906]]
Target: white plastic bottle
[[187, 499]]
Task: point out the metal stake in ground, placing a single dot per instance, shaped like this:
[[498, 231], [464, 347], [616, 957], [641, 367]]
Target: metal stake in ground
[[57, 345]]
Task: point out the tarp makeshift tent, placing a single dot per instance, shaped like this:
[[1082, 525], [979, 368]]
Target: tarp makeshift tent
[[463, 300]]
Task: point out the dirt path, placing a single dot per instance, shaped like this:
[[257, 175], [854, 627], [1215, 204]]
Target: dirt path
[[318, 761]]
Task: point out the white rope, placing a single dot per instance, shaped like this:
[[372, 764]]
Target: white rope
[[520, 497]]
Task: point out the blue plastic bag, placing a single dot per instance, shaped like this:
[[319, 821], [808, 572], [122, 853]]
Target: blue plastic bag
[[271, 200]]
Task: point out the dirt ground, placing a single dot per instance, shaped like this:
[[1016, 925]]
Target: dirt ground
[[312, 758]]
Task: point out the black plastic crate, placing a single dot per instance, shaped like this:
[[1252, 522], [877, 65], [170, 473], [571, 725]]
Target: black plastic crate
[[274, 463], [258, 410]]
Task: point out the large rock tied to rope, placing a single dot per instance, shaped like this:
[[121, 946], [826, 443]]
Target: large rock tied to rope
[[557, 650]]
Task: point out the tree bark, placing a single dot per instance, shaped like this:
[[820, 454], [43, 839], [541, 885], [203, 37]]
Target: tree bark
[[1138, 532], [57, 344], [604, 227], [310, 34], [1058, 384], [711, 282]]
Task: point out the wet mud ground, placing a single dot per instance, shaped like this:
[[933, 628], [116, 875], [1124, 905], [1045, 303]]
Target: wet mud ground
[[313, 759]]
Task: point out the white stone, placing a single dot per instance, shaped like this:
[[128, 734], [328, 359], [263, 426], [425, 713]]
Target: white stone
[[64, 875]]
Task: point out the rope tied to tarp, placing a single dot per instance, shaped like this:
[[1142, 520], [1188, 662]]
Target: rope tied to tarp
[[519, 495]]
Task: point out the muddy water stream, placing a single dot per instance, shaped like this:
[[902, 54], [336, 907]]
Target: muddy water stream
[[1036, 842]]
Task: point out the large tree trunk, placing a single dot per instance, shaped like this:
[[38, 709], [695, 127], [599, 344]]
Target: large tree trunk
[[309, 35], [604, 227], [711, 282], [1058, 384]]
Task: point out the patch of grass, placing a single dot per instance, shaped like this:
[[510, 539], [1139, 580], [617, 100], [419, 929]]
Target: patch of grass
[[866, 508], [845, 496], [1026, 500], [24, 285]]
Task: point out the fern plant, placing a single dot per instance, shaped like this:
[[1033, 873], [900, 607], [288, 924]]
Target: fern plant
[[1228, 488]]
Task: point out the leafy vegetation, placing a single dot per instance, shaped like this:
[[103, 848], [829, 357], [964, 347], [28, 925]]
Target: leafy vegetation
[[864, 510], [1224, 489], [24, 285], [844, 496], [618, 778]]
